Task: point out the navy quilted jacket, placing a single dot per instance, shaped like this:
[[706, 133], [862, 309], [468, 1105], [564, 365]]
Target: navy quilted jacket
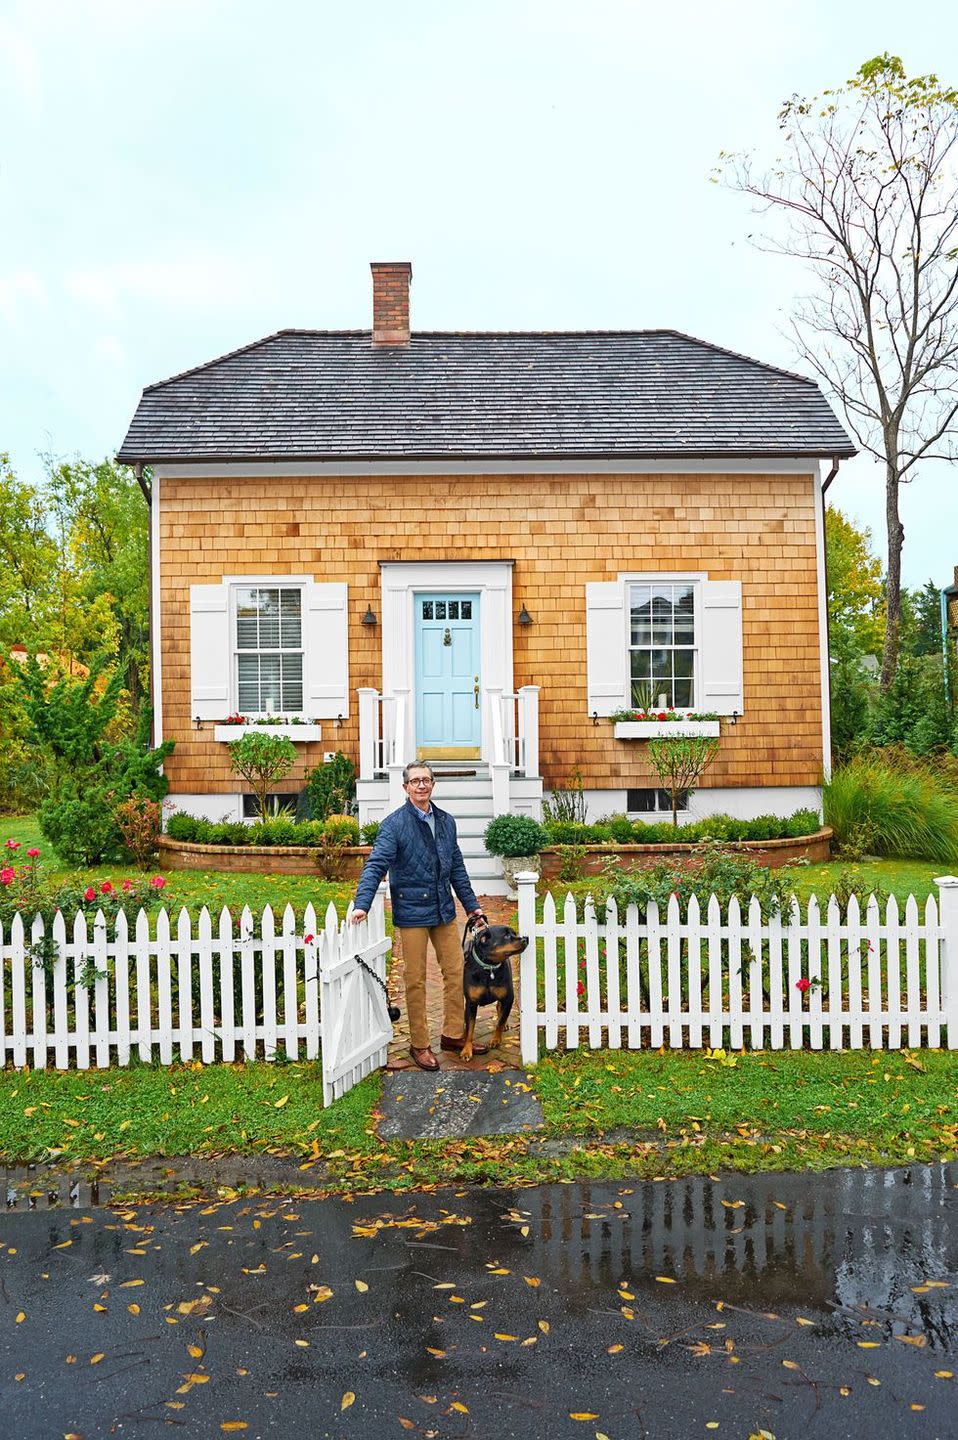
[[422, 872]]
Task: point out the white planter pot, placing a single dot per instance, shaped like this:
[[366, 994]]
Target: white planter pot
[[513, 865], [303, 733], [656, 729]]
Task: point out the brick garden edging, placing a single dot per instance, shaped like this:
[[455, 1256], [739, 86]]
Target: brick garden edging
[[266, 859], [304, 859], [772, 853]]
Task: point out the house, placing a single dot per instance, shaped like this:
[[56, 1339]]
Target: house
[[476, 548]]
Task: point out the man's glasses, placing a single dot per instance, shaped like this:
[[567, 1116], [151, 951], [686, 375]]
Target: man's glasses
[[424, 783]]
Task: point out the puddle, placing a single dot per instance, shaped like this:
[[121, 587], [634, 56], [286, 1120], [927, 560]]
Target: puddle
[[849, 1242], [35, 1190]]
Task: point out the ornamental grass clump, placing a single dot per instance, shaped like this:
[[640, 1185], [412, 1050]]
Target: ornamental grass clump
[[889, 807]]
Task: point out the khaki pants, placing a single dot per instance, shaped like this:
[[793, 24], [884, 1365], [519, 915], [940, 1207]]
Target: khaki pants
[[448, 948]]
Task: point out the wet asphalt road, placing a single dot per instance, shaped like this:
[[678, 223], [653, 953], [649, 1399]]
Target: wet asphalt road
[[801, 1306]]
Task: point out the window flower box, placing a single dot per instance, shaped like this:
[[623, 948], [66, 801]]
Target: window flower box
[[654, 729], [300, 732]]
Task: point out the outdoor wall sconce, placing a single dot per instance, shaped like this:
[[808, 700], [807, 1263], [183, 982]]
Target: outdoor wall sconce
[[369, 618], [735, 715], [524, 617], [339, 720], [595, 717], [197, 723]]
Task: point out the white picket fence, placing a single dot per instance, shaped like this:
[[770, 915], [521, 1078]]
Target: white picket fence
[[246, 990], [713, 979]]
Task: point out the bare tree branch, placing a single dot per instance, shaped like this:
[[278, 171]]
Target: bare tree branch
[[867, 190]]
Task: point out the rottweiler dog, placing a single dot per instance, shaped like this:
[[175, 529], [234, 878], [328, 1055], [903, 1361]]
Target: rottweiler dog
[[487, 976]]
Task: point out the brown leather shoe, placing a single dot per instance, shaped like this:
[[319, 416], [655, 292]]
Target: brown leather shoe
[[425, 1059], [447, 1042]]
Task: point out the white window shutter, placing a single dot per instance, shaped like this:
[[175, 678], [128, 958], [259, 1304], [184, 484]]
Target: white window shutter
[[210, 651], [606, 647], [326, 641], [721, 648]]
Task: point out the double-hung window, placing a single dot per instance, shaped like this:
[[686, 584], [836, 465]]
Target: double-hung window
[[662, 644], [269, 649]]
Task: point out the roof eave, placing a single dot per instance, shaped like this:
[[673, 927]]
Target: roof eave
[[206, 457]]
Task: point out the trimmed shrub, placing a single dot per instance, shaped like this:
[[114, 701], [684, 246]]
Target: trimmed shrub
[[369, 832], [343, 829], [510, 835]]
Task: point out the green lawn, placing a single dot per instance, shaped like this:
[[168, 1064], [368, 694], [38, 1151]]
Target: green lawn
[[192, 888], [606, 1114]]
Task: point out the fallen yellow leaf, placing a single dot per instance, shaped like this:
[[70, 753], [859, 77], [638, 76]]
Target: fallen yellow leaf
[[583, 1415], [665, 1279], [229, 1427], [21, 1316], [458, 1406], [440, 1354], [347, 1400], [196, 1352], [135, 1310], [280, 1103], [361, 1286], [95, 1359], [130, 1284]]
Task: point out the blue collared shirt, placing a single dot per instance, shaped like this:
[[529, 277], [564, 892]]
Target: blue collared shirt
[[428, 818]]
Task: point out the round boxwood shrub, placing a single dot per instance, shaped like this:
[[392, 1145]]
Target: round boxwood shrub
[[515, 835]]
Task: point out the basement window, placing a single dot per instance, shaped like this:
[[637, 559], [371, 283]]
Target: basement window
[[657, 802]]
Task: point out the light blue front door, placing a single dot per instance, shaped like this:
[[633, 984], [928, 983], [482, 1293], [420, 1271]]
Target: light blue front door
[[448, 717]]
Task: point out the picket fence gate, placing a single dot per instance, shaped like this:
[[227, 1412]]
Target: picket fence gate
[[219, 993], [713, 979]]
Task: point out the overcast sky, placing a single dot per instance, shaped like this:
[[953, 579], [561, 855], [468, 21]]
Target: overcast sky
[[181, 177]]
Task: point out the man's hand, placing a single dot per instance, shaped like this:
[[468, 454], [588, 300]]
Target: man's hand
[[478, 919], [358, 916]]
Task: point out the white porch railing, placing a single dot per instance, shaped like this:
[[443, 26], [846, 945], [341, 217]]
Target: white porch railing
[[510, 742], [210, 988], [710, 977]]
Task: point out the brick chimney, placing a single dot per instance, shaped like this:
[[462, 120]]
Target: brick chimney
[[391, 302]]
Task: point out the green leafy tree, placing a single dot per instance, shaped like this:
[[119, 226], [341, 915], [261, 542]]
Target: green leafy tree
[[262, 760], [921, 620], [680, 763], [867, 188], [855, 592]]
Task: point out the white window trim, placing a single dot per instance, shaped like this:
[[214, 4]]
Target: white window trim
[[695, 578], [263, 582]]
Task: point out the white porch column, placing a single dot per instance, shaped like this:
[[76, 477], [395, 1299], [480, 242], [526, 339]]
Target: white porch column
[[498, 761], [529, 730], [398, 757], [368, 731]]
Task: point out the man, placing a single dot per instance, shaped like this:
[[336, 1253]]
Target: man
[[417, 845]]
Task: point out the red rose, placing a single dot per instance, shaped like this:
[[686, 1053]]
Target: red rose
[[106, 888], [89, 893], [127, 884], [158, 883], [803, 984], [308, 939], [33, 853], [7, 875], [12, 845]]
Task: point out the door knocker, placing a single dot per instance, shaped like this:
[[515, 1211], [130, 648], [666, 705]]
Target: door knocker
[[447, 636]]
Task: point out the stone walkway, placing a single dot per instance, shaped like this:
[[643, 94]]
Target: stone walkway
[[500, 911]]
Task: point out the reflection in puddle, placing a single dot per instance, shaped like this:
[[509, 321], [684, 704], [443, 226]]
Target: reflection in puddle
[[842, 1239]]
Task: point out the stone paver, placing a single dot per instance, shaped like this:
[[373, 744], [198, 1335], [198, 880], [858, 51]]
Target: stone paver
[[500, 911]]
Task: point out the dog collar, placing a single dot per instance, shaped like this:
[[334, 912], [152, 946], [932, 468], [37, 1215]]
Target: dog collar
[[491, 968]]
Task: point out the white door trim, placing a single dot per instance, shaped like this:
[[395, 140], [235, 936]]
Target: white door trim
[[402, 580]]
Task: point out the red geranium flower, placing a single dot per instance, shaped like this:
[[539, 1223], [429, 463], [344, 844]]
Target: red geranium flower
[[127, 884], [158, 883], [106, 888], [803, 984], [89, 893], [33, 853], [662, 715], [12, 845], [580, 988], [308, 939], [7, 875]]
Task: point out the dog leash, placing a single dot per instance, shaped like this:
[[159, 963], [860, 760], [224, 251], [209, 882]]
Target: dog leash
[[392, 1011]]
